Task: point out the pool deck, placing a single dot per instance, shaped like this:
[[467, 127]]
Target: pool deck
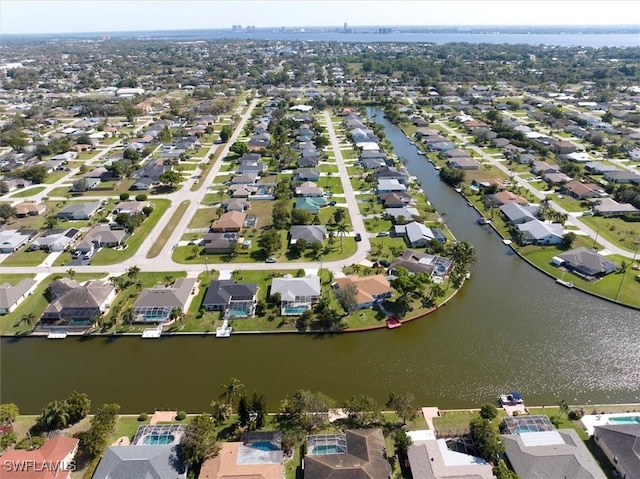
[[590, 421], [163, 416]]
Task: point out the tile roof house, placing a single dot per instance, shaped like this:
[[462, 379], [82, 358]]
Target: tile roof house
[[148, 462], [101, 236], [587, 263], [369, 289], [57, 451], [361, 455], [558, 454], [235, 300], [310, 233], [417, 262], [231, 221], [297, 295], [540, 233], [30, 209], [12, 296], [309, 188], [621, 444], [504, 197], [55, 240], [155, 304], [74, 304], [580, 191], [79, 211]]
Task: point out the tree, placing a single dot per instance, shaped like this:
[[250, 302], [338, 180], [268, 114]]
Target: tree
[[567, 240], [502, 471], [304, 412], [339, 215], [199, 441], [54, 415], [102, 427], [165, 135], [346, 296], [259, 409], [71, 272], [225, 133], [563, 406], [232, 390], [317, 247], [133, 273], [239, 148], [321, 141], [79, 406], [488, 412], [341, 228], [7, 211], [299, 247], [402, 404], [244, 414], [28, 318], [171, 178], [363, 410], [281, 215], [486, 438], [301, 217], [131, 154], [8, 413], [402, 441], [221, 411], [270, 241], [451, 176]]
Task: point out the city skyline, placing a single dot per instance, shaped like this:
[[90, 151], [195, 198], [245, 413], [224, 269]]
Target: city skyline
[[17, 17]]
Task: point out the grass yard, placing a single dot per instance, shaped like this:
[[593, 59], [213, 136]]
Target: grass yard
[[14, 278], [621, 233], [25, 258], [156, 248], [126, 426], [568, 203], [25, 193], [203, 217]]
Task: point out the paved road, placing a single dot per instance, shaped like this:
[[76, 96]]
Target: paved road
[[572, 218]]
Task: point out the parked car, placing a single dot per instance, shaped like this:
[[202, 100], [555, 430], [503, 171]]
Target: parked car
[[383, 233], [331, 203], [89, 254], [270, 260], [358, 237]]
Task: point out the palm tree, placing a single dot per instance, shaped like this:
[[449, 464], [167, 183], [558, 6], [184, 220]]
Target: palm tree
[[341, 228], [232, 390], [55, 415], [133, 273], [71, 272], [28, 318]]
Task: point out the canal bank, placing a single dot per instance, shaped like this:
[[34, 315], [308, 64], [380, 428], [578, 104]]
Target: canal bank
[[508, 328]]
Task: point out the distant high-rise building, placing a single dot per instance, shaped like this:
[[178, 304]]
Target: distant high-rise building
[[345, 26], [236, 28]]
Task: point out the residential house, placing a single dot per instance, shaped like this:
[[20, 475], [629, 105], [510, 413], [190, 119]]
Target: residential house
[[542, 168], [390, 186], [503, 197], [244, 179], [130, 208], [369, 289], [563, 147], [416, 234], [242, 191], [55, 240], [306, 174], [52, 460], [308, 160], [13, 184], [79, 211], [559, 454], [441, 146], [417, 262], [610, 207], [310, 204], [234, 300], [500, 142], [540, 233], [84, 184], [248, 458], [101, 236], [250, 166], [587, 263], [395, 200], [455, 153], [141, 461], [391, 172], [236, 204], [221, 243], [620, 444], [402, 215], [309, 188], [463, 163], [29, 208], [231, 221], [149, 174], [359, 453], [154, 305], [556, 178], [430, 458], [622, 177], [581, 191], [13, 240], [72, 304], [372, 163], [12, 296], [297, 295], [517, 214], [598, 168], [310, 233]]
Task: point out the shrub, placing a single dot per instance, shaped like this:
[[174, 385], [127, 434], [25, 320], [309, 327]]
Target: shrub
[[575, 415], [142, 197], [181, 416], [143, 416], [124, 196]]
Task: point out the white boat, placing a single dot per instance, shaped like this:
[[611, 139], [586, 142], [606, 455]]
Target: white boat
[[484, 221], [412, 142], [57, 335], [420, 152], [510, 399], [458, 190], [438, 168], [567, 284]]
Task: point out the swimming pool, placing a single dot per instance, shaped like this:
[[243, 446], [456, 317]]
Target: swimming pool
[[158, 439], [321, 449], [264, 446], [624, 420], [521, 429], [295, 310]]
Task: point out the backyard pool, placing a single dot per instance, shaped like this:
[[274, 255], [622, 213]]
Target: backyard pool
[[158, 439], [295, 310], [264, 446], [624, 419], [326, 449]]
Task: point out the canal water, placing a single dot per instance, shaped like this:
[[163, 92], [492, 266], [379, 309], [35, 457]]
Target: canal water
[[510, 327]]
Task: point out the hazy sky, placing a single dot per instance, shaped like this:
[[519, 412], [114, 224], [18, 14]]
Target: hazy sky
[[58, 16]]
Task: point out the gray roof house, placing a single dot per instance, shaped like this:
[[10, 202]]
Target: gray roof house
[[541, 233], [12, 296], [79, 211], [559, 454], [621, 444], [403, 214], [220, 243], [297, 295], [587, 263], [155, 304], [73, 304], [310, 233], [390, 185], [417, 234], [55, 240], [148, 462], [417, 262], [622, 177], [610, 207], [235, 300], [518, 214], [13, 240], [101, 236]]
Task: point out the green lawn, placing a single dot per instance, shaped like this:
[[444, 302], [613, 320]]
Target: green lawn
[[156, 248], [386, 248], [203, 217], [621, 233], [27, 192], [111, 255], [36, 304], [377, 225], [127, 426], [568, 203], [25, 258], [14, 278]]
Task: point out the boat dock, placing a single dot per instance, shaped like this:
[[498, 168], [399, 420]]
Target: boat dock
[[224, 331], [152, 333]]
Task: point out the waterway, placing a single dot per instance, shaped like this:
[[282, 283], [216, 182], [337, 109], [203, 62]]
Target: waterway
[[510, 327]]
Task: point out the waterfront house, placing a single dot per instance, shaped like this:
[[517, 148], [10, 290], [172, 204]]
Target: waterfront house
[[369, 289], [395, 200], [231, 221], [72, 304], [234, 300], [517, 214], [503, 197], [55, 240], [12, 296], [141, 461], [297, 295], [39, 463], [401, 215], [463, 163], [587, 263], [310, 233], [416, 234], [79, 211], [355, 453], [540, 233], [417, 262], [559, 454], [390, 186], [620, 443], [154, 305]]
